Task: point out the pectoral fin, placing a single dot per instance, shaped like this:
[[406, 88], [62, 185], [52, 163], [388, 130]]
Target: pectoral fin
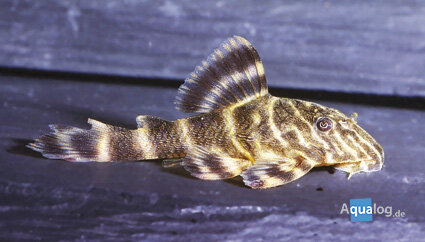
[[208, 165], [275, 174]]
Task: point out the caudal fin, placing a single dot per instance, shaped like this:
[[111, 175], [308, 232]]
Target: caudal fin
[[101, 143], [154, 139]]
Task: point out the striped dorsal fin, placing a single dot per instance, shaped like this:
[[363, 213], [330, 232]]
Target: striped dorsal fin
[[232, 74]]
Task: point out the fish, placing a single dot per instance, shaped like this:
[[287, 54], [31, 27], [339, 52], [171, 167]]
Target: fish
[[237, 129]]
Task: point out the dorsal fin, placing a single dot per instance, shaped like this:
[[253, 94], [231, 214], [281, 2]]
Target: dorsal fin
[[232, 74]]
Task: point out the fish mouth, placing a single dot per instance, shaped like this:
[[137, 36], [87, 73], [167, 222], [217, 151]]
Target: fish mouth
[[368, 165], [371, 165], [372, 149], [378, 162], [377, 166]]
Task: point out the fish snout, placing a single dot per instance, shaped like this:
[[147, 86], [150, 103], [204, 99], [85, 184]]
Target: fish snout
[[377, 161]]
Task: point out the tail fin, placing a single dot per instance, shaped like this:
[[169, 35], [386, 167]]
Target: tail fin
[[102, 142]]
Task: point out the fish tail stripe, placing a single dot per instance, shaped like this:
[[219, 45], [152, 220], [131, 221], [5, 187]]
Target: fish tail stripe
[[123, 145], [102, 147], [70, 143], [183, 128], [160, 139], [157, 139]]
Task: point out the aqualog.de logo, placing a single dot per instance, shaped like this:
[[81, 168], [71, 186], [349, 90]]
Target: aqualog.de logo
[[362, 210]]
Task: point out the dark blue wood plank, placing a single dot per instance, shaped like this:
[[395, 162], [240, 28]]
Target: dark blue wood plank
[[53, 200], [350, 46]]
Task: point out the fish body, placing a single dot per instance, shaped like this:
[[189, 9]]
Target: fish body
[[240, 130]]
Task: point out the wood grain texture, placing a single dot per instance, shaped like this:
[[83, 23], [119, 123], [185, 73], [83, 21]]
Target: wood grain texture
[[375, 47], [53, 200]]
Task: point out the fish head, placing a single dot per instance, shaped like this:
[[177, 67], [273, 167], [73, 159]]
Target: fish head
[[339, 140]]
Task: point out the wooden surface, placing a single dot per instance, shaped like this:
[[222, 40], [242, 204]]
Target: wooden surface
[[65, 61], [43, 199], [375, 47]]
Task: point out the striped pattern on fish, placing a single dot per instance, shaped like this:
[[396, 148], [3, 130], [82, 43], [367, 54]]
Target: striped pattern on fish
[[240, 129]]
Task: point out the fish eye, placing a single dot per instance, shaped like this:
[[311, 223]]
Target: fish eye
[[324, 124]]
